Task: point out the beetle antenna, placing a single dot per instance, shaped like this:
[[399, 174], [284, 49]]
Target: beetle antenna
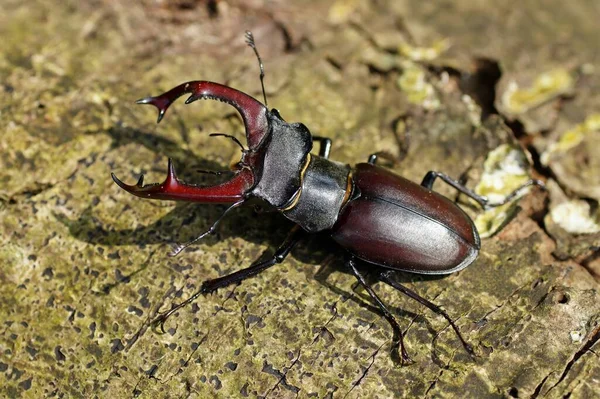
[[250, 42], [229, 136]]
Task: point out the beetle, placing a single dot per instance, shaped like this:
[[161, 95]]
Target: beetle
[[384, 222]]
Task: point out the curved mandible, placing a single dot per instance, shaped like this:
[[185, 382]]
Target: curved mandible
[[172, 188], [253, 112]]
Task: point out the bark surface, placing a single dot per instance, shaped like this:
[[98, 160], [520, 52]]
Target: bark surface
[[84, 266]]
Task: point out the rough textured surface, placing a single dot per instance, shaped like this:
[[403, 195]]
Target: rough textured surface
[[83, 265]]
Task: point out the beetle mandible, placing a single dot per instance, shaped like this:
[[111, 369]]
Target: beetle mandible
[[384, 222]]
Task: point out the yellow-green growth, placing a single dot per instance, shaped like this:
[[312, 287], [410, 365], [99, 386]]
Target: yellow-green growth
[[341, 10], [573, 137], [413, 82], [545, 87], [505, 170], [424, 53]]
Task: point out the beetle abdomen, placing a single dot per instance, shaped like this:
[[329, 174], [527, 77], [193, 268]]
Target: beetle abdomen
[[402, 225]]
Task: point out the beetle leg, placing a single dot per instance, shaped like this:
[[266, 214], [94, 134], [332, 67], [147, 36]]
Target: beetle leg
[[398, 338], [295, 235], [509, 197], [373, 158], [177, 248], [481, 200], [209, 286], [325, 143], [386, 278], [430, 177]]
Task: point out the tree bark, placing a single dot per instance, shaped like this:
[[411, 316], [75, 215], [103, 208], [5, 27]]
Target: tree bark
[[84, 267]]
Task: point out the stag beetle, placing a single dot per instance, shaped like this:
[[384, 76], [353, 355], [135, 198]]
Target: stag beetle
[[384, 222]]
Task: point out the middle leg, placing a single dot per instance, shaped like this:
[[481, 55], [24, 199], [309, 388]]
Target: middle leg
[[325, 143], [376, 156]]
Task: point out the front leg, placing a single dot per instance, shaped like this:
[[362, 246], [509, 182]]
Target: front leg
[[209, 286], [177, 248]]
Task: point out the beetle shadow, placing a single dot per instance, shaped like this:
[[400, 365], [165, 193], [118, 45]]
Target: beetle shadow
[[331, 258], [333, 261], [197, 218]]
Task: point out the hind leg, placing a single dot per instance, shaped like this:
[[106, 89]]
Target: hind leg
[[385, 277], [430, 177], [398, 338]]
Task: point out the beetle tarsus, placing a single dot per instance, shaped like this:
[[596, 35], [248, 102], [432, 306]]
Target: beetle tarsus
[[177, 248], [400, 356], [162, 317], [515, 193]]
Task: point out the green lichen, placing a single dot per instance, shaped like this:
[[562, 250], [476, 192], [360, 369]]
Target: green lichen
[[572, 137], [341, 10], [473, 110], [505, 170], [413, 80], [419, 91], [424, 53], [545, 87]]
